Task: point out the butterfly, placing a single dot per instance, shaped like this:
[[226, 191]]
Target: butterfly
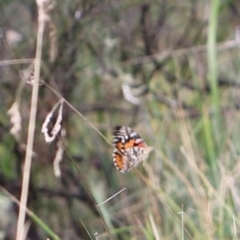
[[129, 148]]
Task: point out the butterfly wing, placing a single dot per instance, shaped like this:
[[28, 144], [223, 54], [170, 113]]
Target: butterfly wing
[[129, 148]]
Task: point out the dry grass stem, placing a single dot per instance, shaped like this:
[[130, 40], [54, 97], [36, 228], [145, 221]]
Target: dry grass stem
[[234, 227], [32, 122], [26, 229], [161, 197], [154, 227], [86, 229], [16, 62], [31, 214], [180, 52], [111, 197], [53, 49]]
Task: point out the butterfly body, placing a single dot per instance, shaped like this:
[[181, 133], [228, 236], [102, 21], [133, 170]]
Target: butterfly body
[[130, 149]]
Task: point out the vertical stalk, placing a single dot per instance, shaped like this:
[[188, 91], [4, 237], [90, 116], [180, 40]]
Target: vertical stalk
[[212, 57], [213, 81], [31, 127]]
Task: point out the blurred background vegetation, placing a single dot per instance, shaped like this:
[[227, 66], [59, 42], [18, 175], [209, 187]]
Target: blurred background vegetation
[[168, 69]]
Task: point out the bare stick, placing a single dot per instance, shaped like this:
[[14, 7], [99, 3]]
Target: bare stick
[[32, 120], [111, 197]]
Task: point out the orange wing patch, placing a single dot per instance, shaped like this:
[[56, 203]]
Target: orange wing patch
[[130, 143], [118, 160]]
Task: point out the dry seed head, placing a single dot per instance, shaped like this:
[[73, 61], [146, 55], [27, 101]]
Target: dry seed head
[[16, 120], [49, 137], [59, 154]]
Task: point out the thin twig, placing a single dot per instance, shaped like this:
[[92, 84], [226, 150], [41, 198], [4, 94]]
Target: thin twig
[[111, 197], [179, 52], [16, 61]]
